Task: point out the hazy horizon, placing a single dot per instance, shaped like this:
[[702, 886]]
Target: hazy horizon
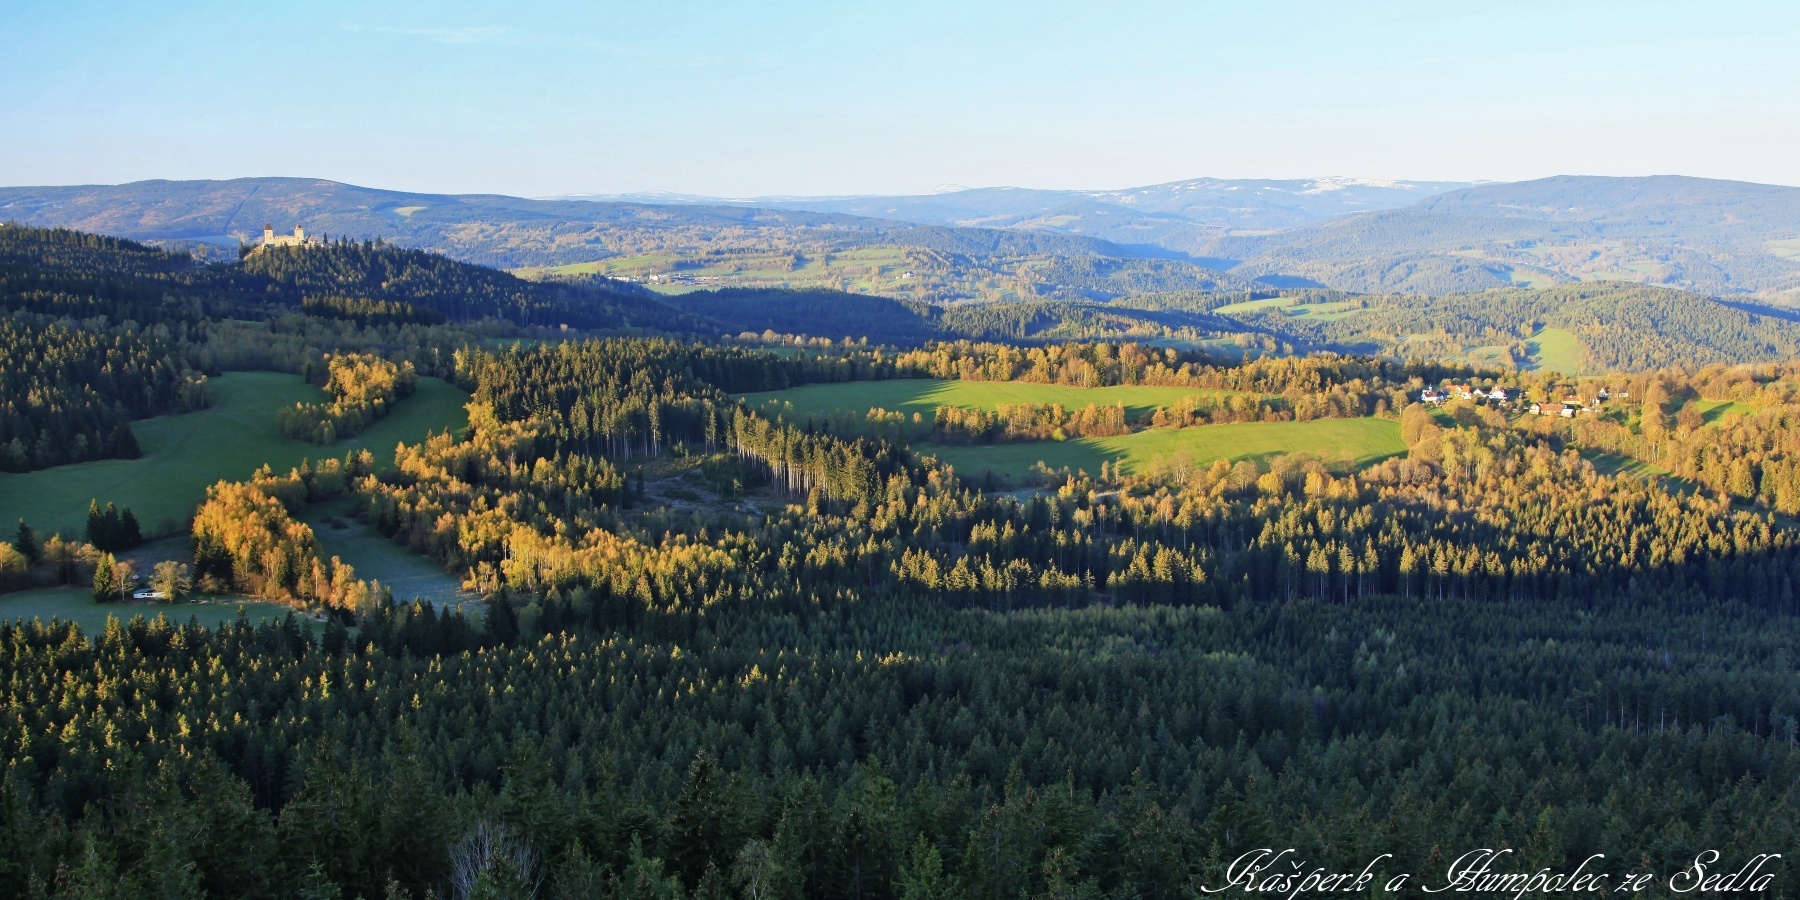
[[925, 192]]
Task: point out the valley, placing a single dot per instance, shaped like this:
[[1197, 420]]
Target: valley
[[941, 562]]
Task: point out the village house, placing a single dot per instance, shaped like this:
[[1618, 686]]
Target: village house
[[1432, 396], [1500, 395], [1464, 392]]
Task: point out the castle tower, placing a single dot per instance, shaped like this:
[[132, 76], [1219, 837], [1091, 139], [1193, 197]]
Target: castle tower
[[299, 235], [268, 233]]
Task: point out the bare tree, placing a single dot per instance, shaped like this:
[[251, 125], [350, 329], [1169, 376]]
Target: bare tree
[[492, 861]]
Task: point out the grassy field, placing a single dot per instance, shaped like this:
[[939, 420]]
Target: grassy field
[[864, 269], [185, 454], [1357, 442], [925, 396], [1320, 311], [1789, 249], [1613, 464], [375, 557], [77, 605], [1715, 410], [1489, 355], [1525, 276], [1557, 350]]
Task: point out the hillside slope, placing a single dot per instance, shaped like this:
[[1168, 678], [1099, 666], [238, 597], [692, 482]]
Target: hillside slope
[[931, 262], [1715, 237], [1607, 326]]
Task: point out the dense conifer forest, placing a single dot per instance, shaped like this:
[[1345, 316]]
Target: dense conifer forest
[[714, 650]]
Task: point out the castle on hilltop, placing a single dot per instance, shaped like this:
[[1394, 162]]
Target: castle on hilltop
[[297, 239]]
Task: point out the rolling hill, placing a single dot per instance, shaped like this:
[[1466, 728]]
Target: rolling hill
[[1571, 328], [720, 244], [1713, 237], [1175, 216]]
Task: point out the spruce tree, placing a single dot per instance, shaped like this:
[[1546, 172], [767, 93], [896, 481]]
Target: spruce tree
[[25, 541], [96, 527], [502, 622], [110, 528], [106, 588], [124, 442]]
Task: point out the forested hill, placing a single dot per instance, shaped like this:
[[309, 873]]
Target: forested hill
[[62, 272], [1603, 327], [1715, 237], [460, 291], [1662, 203], [234, 211], [1708, 236], [98, 331], [489, 229], [1611, 326]]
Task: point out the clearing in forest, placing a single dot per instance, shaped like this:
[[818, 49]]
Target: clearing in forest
[[184, 455], [1352, 442], [924, 396], [1557, 350], [375, 557]]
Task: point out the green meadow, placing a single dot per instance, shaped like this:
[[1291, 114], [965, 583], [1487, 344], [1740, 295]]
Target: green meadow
[[1558, 350], [865, 269], [1614, 464], [1714, 411], [924, 396], [184, 455], [1353, 442], [1326, 311], [375, 557]]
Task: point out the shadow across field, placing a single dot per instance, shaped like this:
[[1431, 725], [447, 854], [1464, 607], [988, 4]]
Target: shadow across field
[[924, 396], [375, 557]]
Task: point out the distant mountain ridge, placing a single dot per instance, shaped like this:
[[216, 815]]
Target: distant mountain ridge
[[1705, 235], [1174, 215], [1723, 238]]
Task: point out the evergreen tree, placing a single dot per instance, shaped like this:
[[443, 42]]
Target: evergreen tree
[[106, 586], [124, 442], [25, 541], [502, 621], [97, 533], [129, 534]]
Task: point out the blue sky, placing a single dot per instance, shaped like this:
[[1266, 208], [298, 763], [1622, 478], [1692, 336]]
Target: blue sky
[[742, 99]]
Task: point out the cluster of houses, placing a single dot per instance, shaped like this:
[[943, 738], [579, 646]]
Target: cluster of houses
[[678, 278], [1503, 397], [1499, 396]]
